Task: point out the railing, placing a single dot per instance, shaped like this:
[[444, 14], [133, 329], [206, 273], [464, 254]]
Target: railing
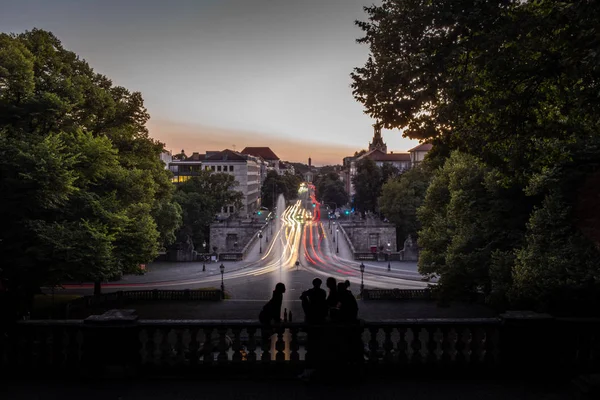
[[397, 294], [517, 343], [231, 256], [365, 256]]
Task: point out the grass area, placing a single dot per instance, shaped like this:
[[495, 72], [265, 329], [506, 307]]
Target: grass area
[[45, 305]]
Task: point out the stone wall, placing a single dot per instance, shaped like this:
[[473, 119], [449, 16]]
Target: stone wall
[[232, 236], [363, 236]]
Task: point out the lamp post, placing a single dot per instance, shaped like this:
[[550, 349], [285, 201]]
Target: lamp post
[[331, 231], [362, 281], [389, 256], [337, 245], [222, 268], [260, 241], [204, 256]]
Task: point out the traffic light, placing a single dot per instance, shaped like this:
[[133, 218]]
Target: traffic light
[[314, 205], [260, 212], [347, 212]]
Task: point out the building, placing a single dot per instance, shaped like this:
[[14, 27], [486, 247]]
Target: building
[[246, 170], [267, 155], [166, 157], [417, 154], [183, 168], [379, 154]]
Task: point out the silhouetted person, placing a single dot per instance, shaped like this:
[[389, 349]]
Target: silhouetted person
[[332, 298], [350, 341], [314, 303], [272, 310], [347, 305]]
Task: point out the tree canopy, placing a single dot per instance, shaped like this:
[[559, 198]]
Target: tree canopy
[[84, 193], [275, 184], [201, 198], [330, 189], [511, 86]]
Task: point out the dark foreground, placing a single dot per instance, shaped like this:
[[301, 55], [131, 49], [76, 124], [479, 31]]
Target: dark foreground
[[289, 389]]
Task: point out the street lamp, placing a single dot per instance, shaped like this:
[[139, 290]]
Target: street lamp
[[362, 281], [222, 268], [332, 232], [389, 256], [204, 256], [337, 245], [260, 241]]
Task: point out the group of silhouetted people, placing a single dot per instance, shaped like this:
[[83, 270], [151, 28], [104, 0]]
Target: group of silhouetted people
[[333, 335]]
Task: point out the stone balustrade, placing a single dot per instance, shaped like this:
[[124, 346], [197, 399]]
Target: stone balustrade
[[514, 342]]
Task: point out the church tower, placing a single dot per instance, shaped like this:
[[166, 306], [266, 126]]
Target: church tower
[[377, 143]]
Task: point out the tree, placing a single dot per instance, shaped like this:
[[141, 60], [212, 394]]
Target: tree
[[468, 220], [367, 185], [276, 184], [200, 199], [401, 197], [82, 182], [388, 171], [330, 189], [513, 84]]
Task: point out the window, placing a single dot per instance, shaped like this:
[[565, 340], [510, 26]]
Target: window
[[212, 167], [207, 168], [219, 168], [231, 168]]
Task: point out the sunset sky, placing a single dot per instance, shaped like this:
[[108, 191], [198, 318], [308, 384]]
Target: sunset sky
[[222, 73]]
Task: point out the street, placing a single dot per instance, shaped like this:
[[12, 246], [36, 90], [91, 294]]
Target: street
[[296, 235]]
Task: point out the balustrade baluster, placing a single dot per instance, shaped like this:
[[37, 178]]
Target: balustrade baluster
[[373, 346], [265, 344], [467, 340], [425, 337], [478, 345], [207, 356], [435, 346], [179, 347], [193, 347], [237, 345], [461, 346], [223, 357], [165, 347], [251, 345], [453, 348], [417, 357], [492, 345], [388, 345], [280, 345], [294, 345], [402, 347], [445, 357]]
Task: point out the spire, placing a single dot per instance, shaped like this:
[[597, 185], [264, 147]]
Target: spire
[[377, 143]]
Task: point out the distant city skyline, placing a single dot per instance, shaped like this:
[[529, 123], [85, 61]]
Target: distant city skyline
[[215, 74]]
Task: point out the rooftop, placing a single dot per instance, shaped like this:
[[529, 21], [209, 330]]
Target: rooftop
[[378, 155], [422, 147], [264, 152]]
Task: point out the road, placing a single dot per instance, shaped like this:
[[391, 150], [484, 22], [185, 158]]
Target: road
[[297, 235]]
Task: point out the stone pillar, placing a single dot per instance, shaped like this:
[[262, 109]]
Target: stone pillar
[[111, 344]]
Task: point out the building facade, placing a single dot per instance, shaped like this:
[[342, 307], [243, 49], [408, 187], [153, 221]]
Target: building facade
[[246, 170], [378, 153]]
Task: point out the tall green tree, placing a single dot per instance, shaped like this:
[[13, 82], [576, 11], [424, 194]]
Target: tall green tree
[[275, 184], [513, 84], [200, 199], [401, 197], [367, 185], [83, 187], [330, 189]]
